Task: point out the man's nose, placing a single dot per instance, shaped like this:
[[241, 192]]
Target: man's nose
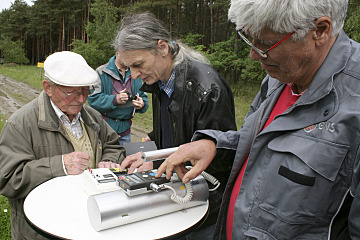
[[135, 73], [254, 55]]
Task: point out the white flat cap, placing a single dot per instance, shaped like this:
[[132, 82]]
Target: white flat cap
[[69, 69]]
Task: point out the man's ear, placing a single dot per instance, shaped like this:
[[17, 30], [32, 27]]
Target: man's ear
[[322, 33], [47, 87], [163, 47]]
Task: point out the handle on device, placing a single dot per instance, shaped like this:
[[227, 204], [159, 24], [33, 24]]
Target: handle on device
[[157, 154]]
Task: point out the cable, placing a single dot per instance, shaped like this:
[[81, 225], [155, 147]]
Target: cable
[[212, 180], [209, 178], [182, 200], [189, 190]]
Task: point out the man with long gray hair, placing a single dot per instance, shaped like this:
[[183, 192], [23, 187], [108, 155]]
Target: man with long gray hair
[[296, 170], [187, 95]]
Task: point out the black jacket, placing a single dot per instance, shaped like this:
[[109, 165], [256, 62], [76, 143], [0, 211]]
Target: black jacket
[[202, 99]]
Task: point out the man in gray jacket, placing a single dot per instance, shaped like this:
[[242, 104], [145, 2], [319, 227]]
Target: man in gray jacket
[[54, 135], [296, 170]]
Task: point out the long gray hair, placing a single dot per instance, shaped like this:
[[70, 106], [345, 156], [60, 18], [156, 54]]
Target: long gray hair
[[285, 16], [142, 31]]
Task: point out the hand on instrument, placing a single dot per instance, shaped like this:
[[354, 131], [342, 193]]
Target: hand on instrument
[[108, 164], [134, 161], [199, 153], [122, 97], [75, 162], [138, 103]]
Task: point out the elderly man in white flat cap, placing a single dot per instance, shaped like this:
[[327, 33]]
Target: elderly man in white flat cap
[[54, 135]]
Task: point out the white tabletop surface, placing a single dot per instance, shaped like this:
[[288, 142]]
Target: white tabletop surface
[[59, 207]]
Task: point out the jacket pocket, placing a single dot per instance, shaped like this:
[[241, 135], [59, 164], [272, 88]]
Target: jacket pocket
[[300, 184], [254, 233], [323, 157]]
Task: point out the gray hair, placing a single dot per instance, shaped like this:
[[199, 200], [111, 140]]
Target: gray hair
[[51, 83], [285, 16], [142, 32]]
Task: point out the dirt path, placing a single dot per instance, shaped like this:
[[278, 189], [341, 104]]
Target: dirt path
[[14, 94]]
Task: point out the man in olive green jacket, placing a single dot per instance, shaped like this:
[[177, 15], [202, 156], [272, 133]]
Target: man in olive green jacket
[[41, 140]]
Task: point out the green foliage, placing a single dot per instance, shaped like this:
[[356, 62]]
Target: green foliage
[[352, 24], [224, 56], [192, 39], [94, 55], [251, 71], [13, 52], [101, 31]]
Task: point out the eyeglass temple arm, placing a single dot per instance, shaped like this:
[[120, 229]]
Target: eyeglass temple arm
[[281, 41]]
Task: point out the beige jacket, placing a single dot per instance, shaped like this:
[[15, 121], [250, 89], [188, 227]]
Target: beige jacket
[[31, 144]]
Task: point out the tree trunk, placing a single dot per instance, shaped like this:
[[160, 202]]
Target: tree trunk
[[63, 34]]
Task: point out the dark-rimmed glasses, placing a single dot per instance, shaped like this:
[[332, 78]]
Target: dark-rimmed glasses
[[84, 93], [259, 51]]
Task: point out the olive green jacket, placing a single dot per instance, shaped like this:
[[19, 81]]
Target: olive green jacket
[[32, 143]]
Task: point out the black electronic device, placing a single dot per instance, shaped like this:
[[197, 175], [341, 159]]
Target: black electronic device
[[140, 180], [131, 96]]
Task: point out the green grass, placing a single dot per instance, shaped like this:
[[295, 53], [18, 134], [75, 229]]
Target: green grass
[[24, 73], [144, 120], [243, 96], [5, 229], [4, 207]]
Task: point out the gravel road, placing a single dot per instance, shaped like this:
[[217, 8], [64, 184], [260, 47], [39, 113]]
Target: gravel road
[[14, 94]]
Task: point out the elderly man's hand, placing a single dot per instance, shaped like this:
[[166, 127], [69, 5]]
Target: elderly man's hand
[[134, 161], [75, 162], [199, 153], [108, 164]]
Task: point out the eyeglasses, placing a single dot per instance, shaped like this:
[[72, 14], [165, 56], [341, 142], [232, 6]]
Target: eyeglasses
[[259, 51], [84, 93]]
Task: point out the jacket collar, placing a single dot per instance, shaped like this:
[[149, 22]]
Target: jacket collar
[[111, 69], [334, 63]]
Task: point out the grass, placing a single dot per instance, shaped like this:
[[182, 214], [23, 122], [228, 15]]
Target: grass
[[24, 73], [4, 207], [243, 96]]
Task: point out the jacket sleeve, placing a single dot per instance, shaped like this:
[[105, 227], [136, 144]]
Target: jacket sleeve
[[354, 216], [100, 100], [225, 140], [20, 172], [217, 109]]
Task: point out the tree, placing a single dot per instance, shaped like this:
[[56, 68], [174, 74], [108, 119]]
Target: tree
[[101, 33], [13, 51]]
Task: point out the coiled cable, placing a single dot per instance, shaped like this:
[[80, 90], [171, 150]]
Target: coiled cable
[[182, 200]]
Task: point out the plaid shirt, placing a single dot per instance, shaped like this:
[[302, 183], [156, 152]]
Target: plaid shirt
[[168, 87]]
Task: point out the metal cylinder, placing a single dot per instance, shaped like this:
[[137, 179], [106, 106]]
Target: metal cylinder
[[116, 208], [157, 154]]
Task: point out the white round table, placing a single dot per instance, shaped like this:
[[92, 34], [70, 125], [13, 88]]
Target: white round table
[[58, 209]]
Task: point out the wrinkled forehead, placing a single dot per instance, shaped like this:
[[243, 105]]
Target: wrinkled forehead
[[131, 57]]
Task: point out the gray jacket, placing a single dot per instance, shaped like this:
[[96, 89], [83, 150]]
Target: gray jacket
[[31, 144], [305, 163]]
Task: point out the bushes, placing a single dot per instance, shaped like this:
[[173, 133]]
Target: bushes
[[13, 52]]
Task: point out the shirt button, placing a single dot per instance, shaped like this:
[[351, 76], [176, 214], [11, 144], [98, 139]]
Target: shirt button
[[326, 112]]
